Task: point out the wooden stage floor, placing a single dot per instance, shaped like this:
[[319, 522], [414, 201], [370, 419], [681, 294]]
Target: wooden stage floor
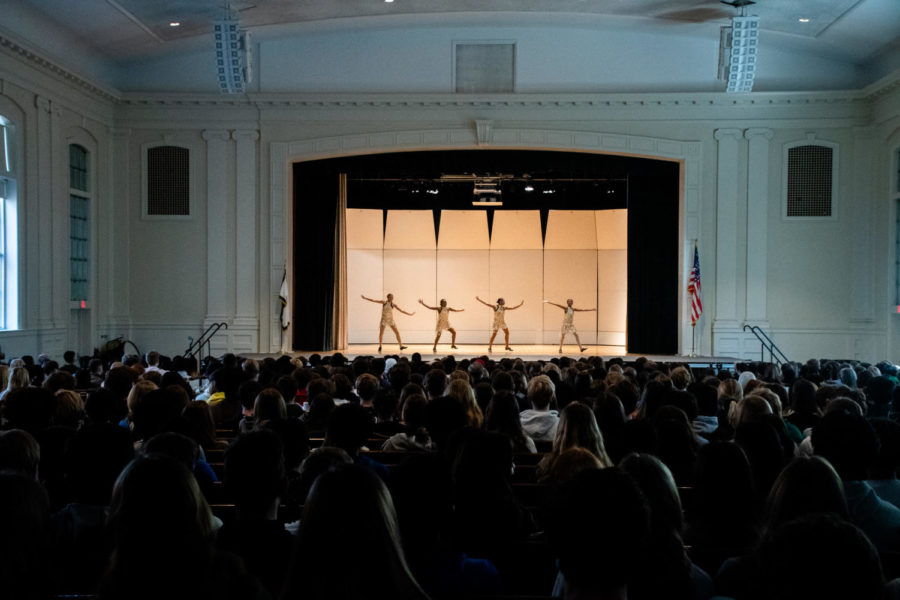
[[524, 351]]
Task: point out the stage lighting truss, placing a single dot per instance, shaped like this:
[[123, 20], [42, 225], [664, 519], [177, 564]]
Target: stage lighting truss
[[738, 52], [486, 191]]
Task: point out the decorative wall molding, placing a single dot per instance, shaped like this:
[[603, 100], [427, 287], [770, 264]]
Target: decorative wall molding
[[46, 65], [535, 100]]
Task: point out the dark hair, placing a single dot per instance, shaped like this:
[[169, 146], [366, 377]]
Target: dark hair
[[254, 471], [162, 529], [294, 439], [435, 383], [503, 417], [174, 445], [669, 571], [349, 507], [349, 426], [319, 460], [604, 504], [807, 485], [102, 406], [247, 393], [820, 556], [19, 452], [888, 460], [94, 458], [24, 537], [726, 508], [848, 442]]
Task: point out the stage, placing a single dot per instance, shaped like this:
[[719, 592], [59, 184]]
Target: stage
[[525, 352]]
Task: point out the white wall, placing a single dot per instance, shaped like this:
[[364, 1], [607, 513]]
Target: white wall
[[822, 288]]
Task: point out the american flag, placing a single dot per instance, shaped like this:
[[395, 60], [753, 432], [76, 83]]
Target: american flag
[[694, 289]]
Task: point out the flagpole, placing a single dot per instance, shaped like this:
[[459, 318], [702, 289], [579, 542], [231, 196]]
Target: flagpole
[[693, 321]]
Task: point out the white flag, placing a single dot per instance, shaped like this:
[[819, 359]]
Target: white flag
[[283, 297]]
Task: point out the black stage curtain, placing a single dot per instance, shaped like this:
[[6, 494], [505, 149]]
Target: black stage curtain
[[315, 211], [652, 323]]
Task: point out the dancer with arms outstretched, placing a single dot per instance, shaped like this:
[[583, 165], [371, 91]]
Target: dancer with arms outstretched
[[387, 318], [443, 322], [499, 319], [568, 324]]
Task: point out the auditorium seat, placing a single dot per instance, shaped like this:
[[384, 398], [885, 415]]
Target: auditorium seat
[[214, 455]]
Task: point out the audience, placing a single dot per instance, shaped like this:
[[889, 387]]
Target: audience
[[480, 456]]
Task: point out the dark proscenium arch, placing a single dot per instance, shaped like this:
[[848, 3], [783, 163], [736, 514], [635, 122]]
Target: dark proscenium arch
[[582, 181]]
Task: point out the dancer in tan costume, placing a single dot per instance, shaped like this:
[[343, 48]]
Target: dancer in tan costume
[[443, 322], [568, 324], [499, 320], [387, 318]]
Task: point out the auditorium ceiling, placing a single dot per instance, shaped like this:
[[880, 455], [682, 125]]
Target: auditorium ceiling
[[370, 45], [123, 30]]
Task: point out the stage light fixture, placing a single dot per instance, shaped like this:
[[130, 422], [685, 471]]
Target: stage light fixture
[[529, 188], [487, 192], [232, 56]]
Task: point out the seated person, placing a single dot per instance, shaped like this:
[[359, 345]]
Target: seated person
[[540, 422], [255, 479], [850, 444]]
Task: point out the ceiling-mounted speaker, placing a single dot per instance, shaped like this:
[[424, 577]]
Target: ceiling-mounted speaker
[[232, 56], [738, 53]]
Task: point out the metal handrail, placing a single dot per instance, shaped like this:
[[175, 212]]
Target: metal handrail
[[775, 353], [196, 346]]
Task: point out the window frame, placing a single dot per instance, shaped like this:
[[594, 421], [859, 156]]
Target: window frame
[[89, 196]]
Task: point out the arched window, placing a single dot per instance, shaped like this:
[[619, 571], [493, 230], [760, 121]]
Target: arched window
[[79, 224], [895, 200], [9, 294]]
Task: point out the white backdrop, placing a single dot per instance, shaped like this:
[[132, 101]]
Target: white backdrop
[[584, 257]]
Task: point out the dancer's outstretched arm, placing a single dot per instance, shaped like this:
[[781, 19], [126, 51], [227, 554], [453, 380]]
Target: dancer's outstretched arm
[[404, 312], [555, 304], [455, 309], [584, 309], [483, 302], [430, 307], [372, 300], [516, 306]]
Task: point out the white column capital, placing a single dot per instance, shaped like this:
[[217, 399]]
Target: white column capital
[[215, 135], [42, 103], [245, 134], [755, 132], [724, 134]]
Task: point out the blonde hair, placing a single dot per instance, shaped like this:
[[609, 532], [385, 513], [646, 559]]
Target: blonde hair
[[541, 388], [730, 388], [19, 378], [577, 428], [461, 391], [681, 378], [69, 407], [140, 389]]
